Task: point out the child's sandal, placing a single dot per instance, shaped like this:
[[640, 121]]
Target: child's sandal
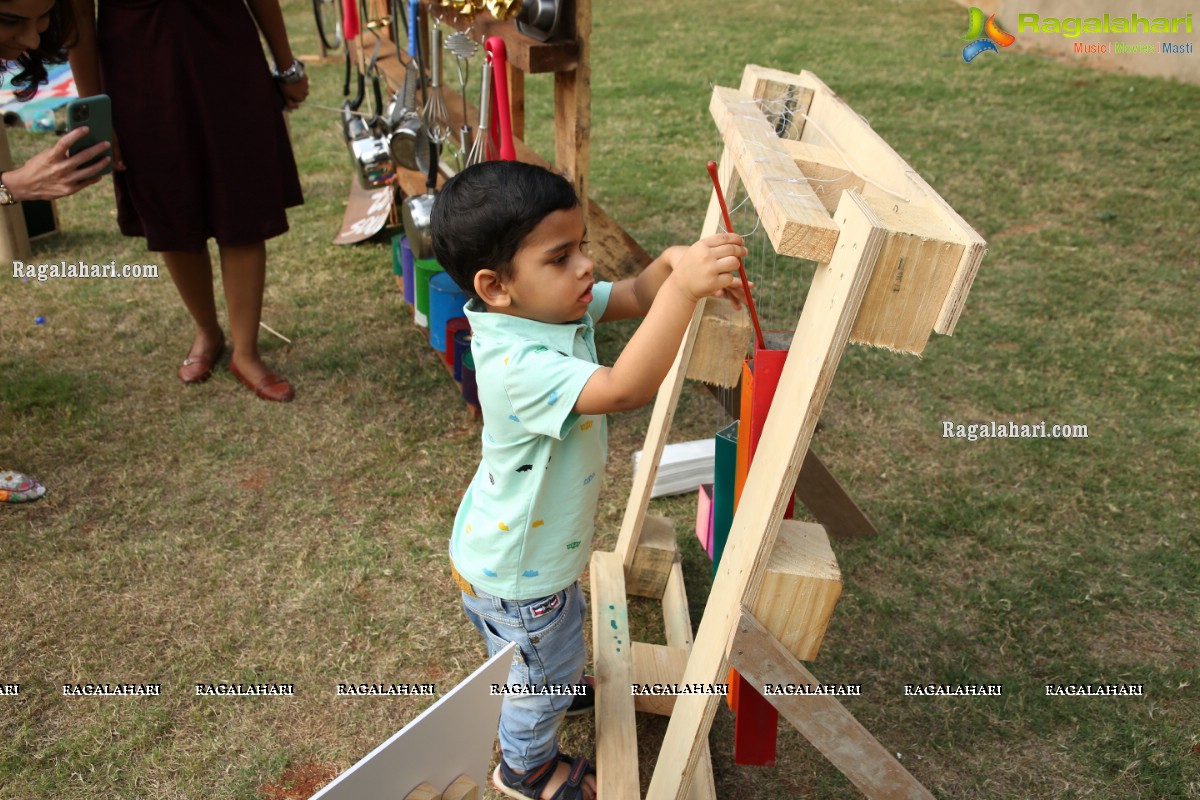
[[531, 784]]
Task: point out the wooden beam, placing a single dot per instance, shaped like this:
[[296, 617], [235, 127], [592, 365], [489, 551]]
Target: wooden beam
[[824, 328], [828, 173], [612, 645], [792, 215], [656, 439], [829, 502], [821, 719]]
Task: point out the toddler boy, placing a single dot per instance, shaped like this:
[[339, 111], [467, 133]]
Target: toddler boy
[[512, 236]]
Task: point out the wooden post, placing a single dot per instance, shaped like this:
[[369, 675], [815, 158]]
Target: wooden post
[[14, 238]]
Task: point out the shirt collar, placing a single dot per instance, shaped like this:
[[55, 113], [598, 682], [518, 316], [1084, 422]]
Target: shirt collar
[[559, 336]]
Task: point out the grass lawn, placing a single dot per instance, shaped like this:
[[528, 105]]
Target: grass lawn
[[200, 535]]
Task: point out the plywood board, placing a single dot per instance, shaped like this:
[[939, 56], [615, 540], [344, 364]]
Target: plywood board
[[453, 737]]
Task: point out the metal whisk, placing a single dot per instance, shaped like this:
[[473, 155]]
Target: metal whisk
[[464, 48], [435, 115], [479, 146]]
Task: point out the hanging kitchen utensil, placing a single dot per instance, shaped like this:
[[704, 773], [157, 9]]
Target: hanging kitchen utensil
[[479, 147], [464, 48], [408, 142], [353, 125], [539, 19], [434, 114], [418, 211], [502, 140], [372, 158]]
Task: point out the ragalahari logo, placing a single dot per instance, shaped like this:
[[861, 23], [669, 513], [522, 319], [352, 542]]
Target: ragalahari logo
[[984, 34]]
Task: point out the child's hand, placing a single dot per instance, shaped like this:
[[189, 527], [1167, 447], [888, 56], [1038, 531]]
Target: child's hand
[[710, 267]]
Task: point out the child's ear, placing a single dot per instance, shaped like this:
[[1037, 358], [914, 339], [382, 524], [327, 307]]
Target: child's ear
[[491, 290]]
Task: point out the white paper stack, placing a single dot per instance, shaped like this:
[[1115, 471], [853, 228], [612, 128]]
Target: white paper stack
[[684, 466]]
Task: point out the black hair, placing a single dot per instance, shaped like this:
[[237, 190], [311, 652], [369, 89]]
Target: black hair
[[51, 49], [483, 213]]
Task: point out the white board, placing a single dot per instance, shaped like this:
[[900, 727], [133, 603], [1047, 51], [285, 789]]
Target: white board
[[452, 737]]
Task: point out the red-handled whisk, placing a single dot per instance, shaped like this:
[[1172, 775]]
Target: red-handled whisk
[[758, 334]]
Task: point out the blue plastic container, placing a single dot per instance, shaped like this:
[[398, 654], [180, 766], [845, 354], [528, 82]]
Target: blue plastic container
[[446, 302]]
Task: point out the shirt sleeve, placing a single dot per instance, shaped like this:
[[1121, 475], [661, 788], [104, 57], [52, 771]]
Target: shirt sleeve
[[601, 292], [543, 385]]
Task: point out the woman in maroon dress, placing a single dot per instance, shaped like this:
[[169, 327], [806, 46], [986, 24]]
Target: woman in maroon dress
[[202, 151]]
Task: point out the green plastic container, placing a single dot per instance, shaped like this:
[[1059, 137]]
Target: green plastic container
[[423, 270]]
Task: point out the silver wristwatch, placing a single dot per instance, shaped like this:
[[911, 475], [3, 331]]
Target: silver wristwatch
[[6, 198], [292, 74]]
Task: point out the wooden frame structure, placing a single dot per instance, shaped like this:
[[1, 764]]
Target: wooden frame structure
[[895, 262]]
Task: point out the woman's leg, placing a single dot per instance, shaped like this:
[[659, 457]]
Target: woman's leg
[[193, 277], [243, 273]]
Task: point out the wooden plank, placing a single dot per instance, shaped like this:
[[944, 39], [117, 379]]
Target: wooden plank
[[829, 502], [573, 106], [612, 644], [792, 215], [657, 664], [656, 438], [678, 623], [824, 328], [822, 720], [656, 552], [800, 589]]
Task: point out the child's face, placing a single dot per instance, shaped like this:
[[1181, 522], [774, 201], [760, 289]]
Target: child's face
[[552, 276]]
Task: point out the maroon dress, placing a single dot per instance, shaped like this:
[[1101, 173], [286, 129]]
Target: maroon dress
[[198, 119]]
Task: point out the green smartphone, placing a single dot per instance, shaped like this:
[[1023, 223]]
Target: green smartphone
[[96, 113]]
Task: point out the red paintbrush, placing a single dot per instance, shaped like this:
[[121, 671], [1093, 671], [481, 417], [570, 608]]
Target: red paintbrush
[[758, 334]]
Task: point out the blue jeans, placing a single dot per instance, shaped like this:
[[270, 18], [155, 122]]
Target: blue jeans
[[549, 634]]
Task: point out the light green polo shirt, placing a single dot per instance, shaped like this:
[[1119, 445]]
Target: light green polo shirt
[[524, 527]]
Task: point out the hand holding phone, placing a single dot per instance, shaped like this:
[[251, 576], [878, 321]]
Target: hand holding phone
[[95, 112]]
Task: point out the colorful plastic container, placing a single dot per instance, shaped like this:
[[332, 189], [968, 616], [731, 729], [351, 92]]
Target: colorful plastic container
[[446, 302], [423, 270], [407, 265], [470, 389]]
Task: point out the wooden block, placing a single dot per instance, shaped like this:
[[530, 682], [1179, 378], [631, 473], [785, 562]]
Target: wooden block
[[652, 561], [616, 727], [822, 720], [722, 343], [14, 236], [827, 172], [657, 664], [463, 788], [911, 280], [801, 587], [793, 216], [426, 791]]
